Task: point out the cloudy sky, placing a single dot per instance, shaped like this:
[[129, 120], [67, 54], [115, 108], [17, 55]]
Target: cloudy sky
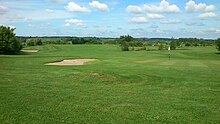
[[112, 18]]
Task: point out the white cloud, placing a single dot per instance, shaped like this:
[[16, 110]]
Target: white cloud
[[73, 21], [134, 9], [67, 24], [140, 19], [191, 6], [73, 7], [49, 10], [145, 18], [207, 15], [164, 7], [155, 16], [170, 21], [99, 6], [213, 30], [76, 22], [3, 9]]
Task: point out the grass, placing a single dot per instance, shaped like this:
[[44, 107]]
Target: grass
[[120, 87]]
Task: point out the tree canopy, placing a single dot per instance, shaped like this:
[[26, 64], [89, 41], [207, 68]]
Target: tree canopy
[[125, 42], [218, 44], [9, 44]]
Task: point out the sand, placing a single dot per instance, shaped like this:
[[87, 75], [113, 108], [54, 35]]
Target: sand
[[73, 62], [30, 51]]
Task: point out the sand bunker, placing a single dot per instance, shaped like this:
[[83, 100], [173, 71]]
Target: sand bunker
[[71, 62], [30, 51]]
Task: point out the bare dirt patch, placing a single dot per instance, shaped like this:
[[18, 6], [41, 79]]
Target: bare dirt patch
[[73, 62], [30, 51]]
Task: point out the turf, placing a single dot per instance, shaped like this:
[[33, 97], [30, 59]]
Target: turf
[[120, 87]]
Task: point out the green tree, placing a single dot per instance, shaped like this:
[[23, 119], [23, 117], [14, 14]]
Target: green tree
[[39, 42], [31, 42], [125, 42], [160, 46], [9, 44], [218, 44], [173, 45]]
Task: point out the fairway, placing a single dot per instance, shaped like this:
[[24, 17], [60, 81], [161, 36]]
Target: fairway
[[119, 87]]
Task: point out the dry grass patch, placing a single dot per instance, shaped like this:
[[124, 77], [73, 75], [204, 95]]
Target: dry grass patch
[[73, 62], [30, 51]]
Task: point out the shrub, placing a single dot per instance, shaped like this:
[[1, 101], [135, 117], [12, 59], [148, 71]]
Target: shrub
[[9, 44], [125, 47], [39, 42], [218, 44], [31, 42], [160, 46], [173, 45]]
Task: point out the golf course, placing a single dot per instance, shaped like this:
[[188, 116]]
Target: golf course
[[117, 87]]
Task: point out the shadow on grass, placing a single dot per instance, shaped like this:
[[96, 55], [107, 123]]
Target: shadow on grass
[[183, 49], [18, 53], [23, 53]]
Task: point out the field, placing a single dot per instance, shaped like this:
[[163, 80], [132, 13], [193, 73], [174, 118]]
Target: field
[[119, 87]]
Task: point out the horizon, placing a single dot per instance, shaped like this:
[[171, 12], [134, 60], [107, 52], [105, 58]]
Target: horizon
[[112, 19], [54, 36]]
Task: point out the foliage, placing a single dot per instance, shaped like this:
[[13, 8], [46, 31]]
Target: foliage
[[9, 44], [173, 45], [38, 42], [193, 42], [218, 44], [124, 46], [30, 42], [160, 46], [125, 42], [34, 42]]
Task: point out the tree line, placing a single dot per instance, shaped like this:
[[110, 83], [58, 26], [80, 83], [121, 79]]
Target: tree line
[[10, 44]]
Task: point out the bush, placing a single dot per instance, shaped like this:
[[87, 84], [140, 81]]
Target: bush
[[39, 42], [31, 42], [218, 44], [173, 45], [160, 46], [125, 47], [9, 44]]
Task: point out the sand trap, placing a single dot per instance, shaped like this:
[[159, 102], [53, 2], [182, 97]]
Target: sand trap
[[71, 62], [30, 51]]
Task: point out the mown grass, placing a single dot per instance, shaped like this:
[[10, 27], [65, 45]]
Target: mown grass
[[120, 87]]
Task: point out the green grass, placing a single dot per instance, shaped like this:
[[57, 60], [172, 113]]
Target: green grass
[[120, 87]]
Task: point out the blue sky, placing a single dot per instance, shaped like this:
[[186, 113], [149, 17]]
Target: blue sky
[[112, 18]]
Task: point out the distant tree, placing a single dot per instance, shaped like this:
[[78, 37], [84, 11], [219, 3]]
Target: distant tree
[[31, 42], [9, 44], [218, 44], [173, 45], [125, 42], [187, 44], [160, 46], [39, 42]]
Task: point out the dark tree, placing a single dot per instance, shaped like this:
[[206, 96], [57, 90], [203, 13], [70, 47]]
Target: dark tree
[[39, 42], [173, 45], [218, 44], [125, 42], [31, 42], [9, 44], [160, 46]]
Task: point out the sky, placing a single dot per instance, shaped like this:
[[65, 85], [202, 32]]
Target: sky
[[113, 18]]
